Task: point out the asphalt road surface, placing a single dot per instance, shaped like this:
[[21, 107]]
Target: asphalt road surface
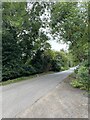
[[19, 96]]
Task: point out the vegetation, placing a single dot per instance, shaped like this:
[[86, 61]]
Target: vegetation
[[23, 78], [25, 47], [70, 21], [82, 77]]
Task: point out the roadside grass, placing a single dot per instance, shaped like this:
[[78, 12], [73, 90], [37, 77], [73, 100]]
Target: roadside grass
[[23, 78], [71, 78], [75, 83]]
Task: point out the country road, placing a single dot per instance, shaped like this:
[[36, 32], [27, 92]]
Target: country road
[[19, 96]]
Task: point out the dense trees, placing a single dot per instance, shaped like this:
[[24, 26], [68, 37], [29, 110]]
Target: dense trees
[[20, 33], [25, 47], [70, 21]]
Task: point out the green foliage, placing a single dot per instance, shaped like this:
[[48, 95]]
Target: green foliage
[[70, 20], [82, 77], [25, 49], [49, 60], [76, 83], [20, 33], [60, 61]]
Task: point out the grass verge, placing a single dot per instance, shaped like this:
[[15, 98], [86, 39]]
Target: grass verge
[[23, 78]]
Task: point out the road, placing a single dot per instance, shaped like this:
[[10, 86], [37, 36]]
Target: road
[[19, 96]]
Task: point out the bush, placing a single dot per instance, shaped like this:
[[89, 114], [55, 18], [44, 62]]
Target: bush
[[82, 76], [42, 61], [28, 70], [76, 83], [17, 71], [76, 70], [56, 66]]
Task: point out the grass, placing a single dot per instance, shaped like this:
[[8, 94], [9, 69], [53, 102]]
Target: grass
[[76, 83], [23, 78]]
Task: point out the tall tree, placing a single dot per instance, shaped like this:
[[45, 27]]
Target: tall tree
[[69, 20], [21, 37]]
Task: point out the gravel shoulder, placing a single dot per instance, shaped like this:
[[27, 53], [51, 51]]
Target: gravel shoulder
[[62, 102]]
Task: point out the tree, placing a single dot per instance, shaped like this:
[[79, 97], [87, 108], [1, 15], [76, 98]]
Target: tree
[[69, 20], [26, 49], [22, 38]]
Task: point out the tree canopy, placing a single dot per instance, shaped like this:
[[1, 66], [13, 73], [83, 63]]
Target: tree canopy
[[25, 45]]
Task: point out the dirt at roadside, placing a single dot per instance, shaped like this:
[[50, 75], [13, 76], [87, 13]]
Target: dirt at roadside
[[62, 102]]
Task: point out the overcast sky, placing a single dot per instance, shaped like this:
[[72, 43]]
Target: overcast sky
[[57, 46]]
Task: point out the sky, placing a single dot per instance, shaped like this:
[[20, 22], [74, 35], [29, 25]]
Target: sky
[[58, 46]]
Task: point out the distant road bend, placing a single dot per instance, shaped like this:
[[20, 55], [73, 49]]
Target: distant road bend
[[19, 96]]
